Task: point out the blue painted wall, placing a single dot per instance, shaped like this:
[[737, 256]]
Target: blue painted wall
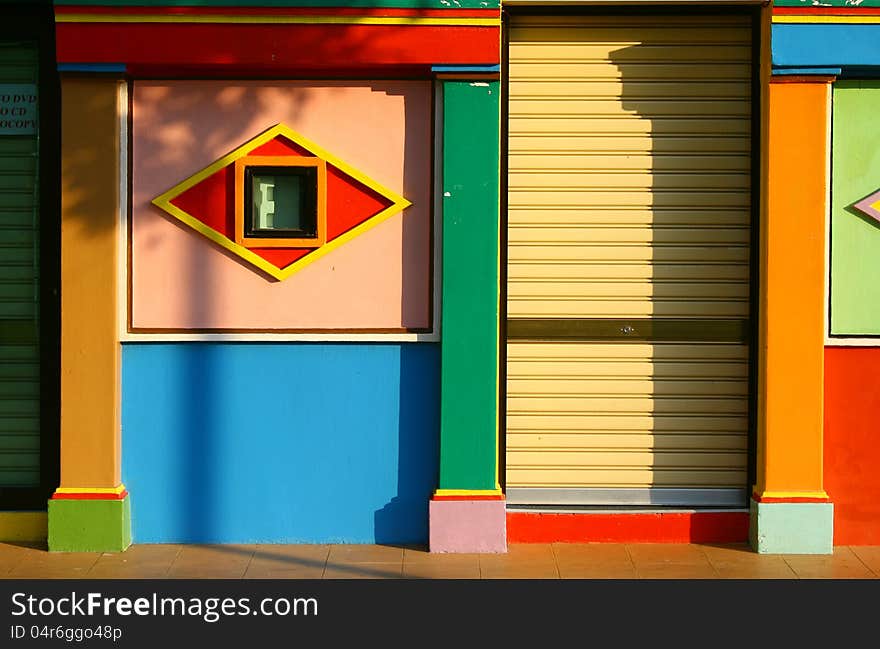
[[852, 48], [297, 442]]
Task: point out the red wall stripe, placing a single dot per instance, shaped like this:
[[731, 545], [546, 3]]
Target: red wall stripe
[[660, 527], [826, 11], [276, 46], [281, 11], [89, 496], [852, 443]]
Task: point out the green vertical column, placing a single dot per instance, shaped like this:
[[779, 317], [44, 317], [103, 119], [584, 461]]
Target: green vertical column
[[470, 313]]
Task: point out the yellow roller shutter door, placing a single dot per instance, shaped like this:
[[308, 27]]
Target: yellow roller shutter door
[[629, 209]]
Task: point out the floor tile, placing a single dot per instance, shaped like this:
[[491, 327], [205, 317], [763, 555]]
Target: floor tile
[[211, 562], [138, 562], [427, 571], [41, 564], [730, 552], [868, 555], [843, 564], [608, 570], [593, 561], [676, 571], [527, 552], [365, 554], [441, 566], [296, 573], [363, 571], [12, 554], [421, 555], [739, 561], [522, 561], [671, 561], [666, 554], [142, 554], [776, 570], [590, 553], [271, 558], [733, 560], [513, 571]]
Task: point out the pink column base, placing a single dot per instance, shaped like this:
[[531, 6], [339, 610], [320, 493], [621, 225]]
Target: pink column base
[[467, 526]]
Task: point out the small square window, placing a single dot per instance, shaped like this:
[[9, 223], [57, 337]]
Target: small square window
[[280, 202]]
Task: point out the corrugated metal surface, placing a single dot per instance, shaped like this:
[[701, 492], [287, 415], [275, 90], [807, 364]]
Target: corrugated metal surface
[[19, 287], [626, 415], [629, 197]]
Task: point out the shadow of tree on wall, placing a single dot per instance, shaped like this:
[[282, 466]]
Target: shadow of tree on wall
[[701, 209], [627, 125], [202, 465]]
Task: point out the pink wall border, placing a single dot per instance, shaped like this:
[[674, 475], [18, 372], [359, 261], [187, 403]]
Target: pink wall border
[[380, 280]]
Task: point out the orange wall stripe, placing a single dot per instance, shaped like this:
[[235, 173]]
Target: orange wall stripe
[[792, 291], [90, 355]]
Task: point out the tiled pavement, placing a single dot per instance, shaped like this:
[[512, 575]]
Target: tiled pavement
[[539, 561]]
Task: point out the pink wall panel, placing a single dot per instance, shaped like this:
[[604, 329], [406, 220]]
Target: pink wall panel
[[379, 280]]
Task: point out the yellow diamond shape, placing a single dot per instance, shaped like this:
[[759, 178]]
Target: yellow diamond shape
[[163, 201]]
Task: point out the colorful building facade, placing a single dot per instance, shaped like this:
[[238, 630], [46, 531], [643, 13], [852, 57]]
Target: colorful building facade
[[460, 274]]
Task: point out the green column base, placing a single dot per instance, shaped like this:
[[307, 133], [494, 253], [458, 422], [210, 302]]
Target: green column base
[[792, 528], [89, 525]]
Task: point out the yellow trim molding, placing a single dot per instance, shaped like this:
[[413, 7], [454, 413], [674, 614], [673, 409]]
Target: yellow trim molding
[[91, 490], [827, 19], [414, 21], [795, 494], [468, 492]]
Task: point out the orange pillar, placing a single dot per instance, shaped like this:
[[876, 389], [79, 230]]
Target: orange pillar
[[89, 511], [790, 509]]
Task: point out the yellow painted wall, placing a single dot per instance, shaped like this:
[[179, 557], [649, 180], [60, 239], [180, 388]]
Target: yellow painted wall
[[90, 163], [23, 526]]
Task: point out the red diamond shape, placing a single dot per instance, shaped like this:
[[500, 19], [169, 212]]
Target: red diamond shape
[[206, 202]]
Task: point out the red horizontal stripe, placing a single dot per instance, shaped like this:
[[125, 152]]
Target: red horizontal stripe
[[672, 527], [168, 71], [290, 47], [826, 11], [280, 11], [90, 496]]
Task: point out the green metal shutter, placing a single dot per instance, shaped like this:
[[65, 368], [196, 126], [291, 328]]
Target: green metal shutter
[[19, 286]]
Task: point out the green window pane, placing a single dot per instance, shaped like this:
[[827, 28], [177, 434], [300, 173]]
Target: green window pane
[[282, 202]]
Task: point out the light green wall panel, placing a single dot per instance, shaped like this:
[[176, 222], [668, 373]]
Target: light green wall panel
[[791, 528], [855, 237]]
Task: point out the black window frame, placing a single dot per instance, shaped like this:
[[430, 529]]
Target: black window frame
[[308, 202]]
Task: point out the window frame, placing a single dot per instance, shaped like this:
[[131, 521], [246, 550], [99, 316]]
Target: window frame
[[243, 207]]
